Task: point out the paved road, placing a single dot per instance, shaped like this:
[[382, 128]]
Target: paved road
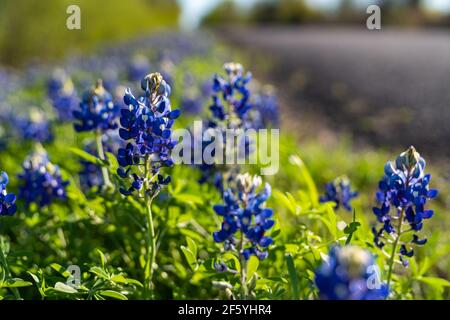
[[391, 87]]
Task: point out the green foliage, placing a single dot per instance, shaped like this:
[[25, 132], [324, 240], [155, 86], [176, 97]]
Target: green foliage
[[37, 23], [104, 232]]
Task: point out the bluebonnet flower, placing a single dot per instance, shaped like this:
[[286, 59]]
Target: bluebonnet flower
[[41, 180], [147, 123], [231, 95], [61, 92], [230, 105], [244, 212], [403, 194], [7, 200], [98, 110], [349, 273], [339, 192], [34, 127]]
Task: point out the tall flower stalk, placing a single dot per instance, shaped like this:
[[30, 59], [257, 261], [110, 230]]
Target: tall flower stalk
[[101, 155], [7, 208], [98, 113], [147, 125], [403, 194], [245, 223], [229, 111]]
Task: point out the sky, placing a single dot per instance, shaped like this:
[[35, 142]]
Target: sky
[[194, 10]]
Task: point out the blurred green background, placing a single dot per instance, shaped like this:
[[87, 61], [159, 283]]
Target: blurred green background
[[36, 29]]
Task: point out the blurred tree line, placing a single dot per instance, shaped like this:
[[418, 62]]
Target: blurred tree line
[[400, 12], [36, 29], [270, 11]]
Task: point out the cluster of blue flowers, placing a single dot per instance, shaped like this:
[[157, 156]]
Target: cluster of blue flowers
[[339, 192], [7, 200], [229, 109], [231, 96], [404, 190], [35, 127], [350, 273], [61, 92], [41, 180], [148, 123], [98, 111], [244, 211]]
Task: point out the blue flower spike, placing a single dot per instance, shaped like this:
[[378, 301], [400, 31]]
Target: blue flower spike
[[34, 127], [146, 126], [403, 193], [244, 212], [62, 95], [41, 180], [350, 273], [7, 200], [339, 192], [97, 111], [229, 111]]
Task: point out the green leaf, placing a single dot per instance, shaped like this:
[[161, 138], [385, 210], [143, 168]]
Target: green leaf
[[99, 272], [113, 164], [252, 267], [307, 179], [414, 267], [60, 269], [291, 247], [190, 258], [332, 221], [102, 258], [191, 234], [86, 156], [434, 281], [351, 228], [35, 277], [425, 266], [275, 233], [192, 246], [113, 294], [62, 287], [119, 279], [278, 279], [293, 277], [285, 201], [16, 283], [228, 256]]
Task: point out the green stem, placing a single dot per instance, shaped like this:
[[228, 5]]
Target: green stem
[[151, 237], [7, 271], [151, 245], [244, 289], [101, 155], [394, 248]]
